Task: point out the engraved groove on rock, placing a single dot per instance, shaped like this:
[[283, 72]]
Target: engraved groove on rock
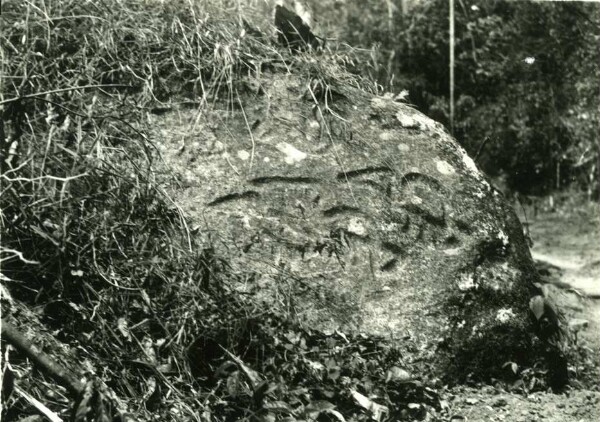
[[463, 226], [428, 216], [283, 179], [393, 247], [452, 240], [359, 172], [389, 265], [415, 176], [250, 194], [341, 209]]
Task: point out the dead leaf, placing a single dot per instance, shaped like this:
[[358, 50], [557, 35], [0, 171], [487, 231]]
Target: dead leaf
[[253, 376], [397, 374], [376, 411], [536, 305], [316, 408], [123, 328]]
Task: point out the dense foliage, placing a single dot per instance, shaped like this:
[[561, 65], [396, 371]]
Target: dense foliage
[[526, 91]]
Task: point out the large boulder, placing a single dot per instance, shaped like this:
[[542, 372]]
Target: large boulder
[[356, 212]]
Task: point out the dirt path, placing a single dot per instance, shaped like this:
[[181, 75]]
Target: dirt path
[[567, 251], [571, 243], [490, 404]]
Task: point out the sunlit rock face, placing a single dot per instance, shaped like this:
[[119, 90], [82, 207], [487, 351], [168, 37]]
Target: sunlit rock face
[[359, 213]]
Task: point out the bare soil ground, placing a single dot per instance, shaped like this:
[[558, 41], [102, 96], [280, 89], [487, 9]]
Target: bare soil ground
[[566, 247]]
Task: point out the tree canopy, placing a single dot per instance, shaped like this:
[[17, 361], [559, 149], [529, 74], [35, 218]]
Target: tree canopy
[[527, 93]]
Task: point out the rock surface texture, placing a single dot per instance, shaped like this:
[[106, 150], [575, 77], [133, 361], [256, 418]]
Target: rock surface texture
[[357, 213]]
